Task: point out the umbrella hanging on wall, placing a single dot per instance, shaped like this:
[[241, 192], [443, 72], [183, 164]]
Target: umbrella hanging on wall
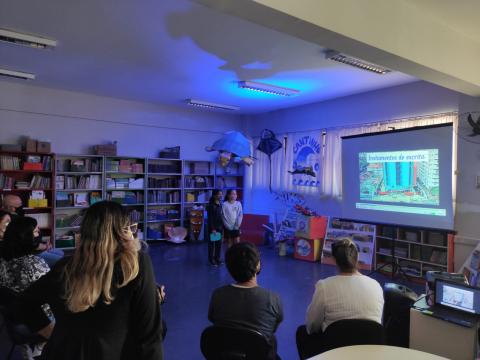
[[268, 145]]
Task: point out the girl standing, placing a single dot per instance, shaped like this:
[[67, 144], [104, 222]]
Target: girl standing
[[215, 227], [232, 214]]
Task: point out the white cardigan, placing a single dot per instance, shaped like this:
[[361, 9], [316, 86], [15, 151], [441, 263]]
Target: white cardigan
[[344, 297]]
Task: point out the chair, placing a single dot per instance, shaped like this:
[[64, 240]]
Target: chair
[[353, 332], [226, 343], [396, 313], [252, 228], [18, 333]]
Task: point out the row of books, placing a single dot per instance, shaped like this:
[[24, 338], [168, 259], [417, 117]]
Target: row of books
[[135, 216], [126, 197], [164, 196], [199, 168], [162, 214], [36, 182], [79, 165], [30, 162], [203, 196], [124, 183], [79, 199], [163, 183], [125, 165], [78, 182], [6, 182], [226, 182], [164, 168], [199, 182]]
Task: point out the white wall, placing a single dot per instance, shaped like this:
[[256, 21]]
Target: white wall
[[74, 121]]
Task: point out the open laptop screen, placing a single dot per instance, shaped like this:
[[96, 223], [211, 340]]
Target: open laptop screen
[[457, 296]]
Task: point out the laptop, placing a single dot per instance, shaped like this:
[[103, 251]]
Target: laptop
[[455, 302]]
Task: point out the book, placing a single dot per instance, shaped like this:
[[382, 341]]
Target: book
[[80, 199]]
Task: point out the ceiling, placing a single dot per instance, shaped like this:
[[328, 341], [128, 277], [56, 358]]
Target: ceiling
[[459, 15], [166, 51]]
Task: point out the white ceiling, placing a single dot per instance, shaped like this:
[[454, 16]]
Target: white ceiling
[[169, 50], [460, 15]]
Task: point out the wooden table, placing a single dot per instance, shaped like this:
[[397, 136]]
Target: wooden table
[[375, 352]]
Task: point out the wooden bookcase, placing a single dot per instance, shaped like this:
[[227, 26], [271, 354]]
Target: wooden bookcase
[[24, 172], [164, 197], [417, 250], [78, 184], [125, 184], [231, 177]]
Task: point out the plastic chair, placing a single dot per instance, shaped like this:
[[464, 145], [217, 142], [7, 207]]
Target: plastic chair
[[18, 333], [353, 332], [226, 343]]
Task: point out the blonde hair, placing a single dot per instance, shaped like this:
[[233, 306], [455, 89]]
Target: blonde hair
[[103, 243]]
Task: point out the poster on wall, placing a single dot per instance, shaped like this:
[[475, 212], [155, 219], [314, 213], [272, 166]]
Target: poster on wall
[[306, 159]]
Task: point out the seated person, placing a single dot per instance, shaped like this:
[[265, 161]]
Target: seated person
[[14, 206], [20, 267], [349, 295], [4, 221], [244, 304]]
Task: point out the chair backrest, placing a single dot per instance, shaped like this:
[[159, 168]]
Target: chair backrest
[[353, 332], [225, 343], [396, 313]]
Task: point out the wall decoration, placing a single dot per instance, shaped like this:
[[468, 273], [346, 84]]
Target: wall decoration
[[307, 156]]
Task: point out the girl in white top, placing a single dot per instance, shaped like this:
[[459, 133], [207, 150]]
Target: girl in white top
[[232, 214]]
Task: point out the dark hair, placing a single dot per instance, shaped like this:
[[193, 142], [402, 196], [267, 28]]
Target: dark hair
[[18, 239], [345, 253], [214, 193], [227, 194], [242, 261], [3, 213]]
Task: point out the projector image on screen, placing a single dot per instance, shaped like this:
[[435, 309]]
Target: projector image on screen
[[405, 177]]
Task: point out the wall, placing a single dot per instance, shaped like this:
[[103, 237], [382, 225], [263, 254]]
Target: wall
[[74, 121]]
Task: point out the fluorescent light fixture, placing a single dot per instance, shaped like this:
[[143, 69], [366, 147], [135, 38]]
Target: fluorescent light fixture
[[210, 105], [16, 74], [267, 88], [33, 41], [360, 64]]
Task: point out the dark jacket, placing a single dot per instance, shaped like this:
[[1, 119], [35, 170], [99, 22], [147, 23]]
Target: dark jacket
[[129, 328], [214, 214]]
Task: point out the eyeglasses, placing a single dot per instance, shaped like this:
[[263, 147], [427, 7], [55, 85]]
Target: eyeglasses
[[133, 228]]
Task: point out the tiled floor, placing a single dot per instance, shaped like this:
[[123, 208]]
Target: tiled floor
[[189, 282]]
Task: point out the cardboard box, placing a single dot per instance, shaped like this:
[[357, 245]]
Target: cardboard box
[[30, 145], [11, 147], [106, 149], [307, 249], [43, 147], [311, 227], [32, 166]]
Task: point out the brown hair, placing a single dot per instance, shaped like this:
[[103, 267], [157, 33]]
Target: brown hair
[[103, 242], [345, 253]]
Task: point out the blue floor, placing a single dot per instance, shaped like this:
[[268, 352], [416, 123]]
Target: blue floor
[[189, 282]]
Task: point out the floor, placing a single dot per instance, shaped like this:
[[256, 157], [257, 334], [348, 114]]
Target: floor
[[189, 282]]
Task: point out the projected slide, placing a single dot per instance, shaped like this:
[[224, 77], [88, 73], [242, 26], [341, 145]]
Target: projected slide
[[403, 177]]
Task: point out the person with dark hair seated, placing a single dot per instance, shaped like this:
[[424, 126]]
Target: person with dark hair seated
[[244, 304], [20, 267], [349, 295]]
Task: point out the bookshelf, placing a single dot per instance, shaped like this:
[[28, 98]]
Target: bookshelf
[[164, 197], [417, 250], [30, 176], [125, 184], [78, 184], [230, 177]]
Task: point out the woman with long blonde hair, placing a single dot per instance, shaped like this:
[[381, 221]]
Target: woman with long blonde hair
[[104, 298]]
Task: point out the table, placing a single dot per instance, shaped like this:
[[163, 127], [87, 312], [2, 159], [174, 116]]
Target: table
[[375, 352], [443, 338]]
